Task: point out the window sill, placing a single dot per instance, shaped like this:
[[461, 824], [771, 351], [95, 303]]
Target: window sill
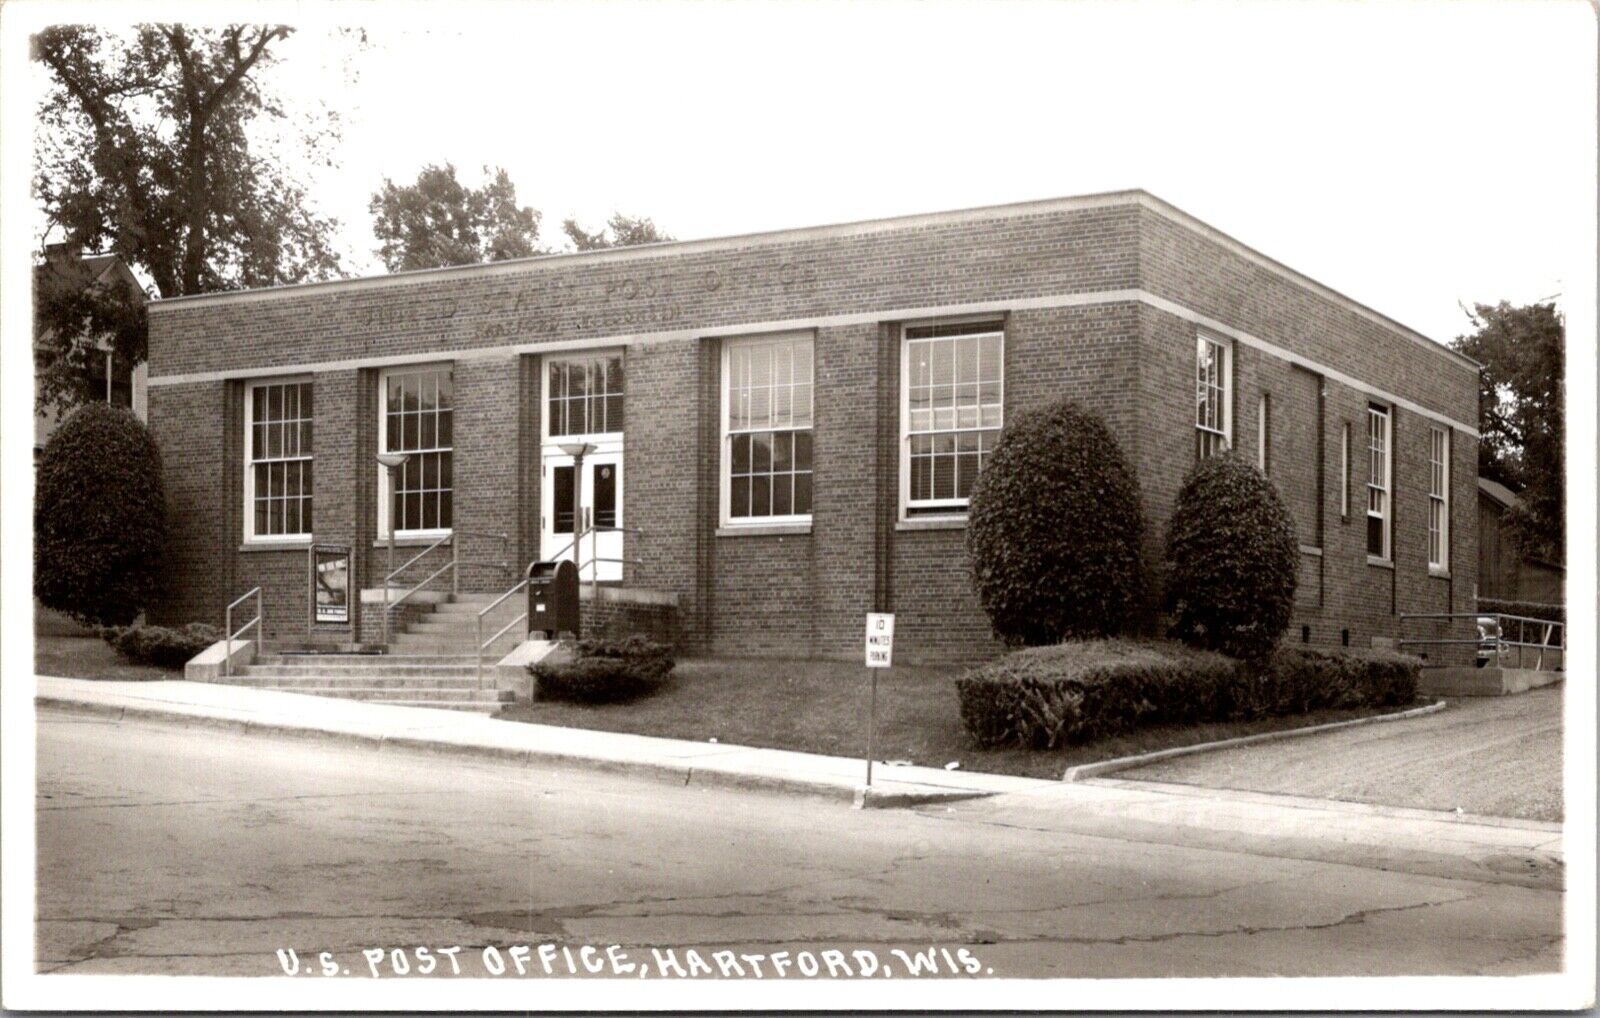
[[766, 530], [1439, 574], [409, 541], [1310, 549], [298, 544], [933, 523], [1381, 563]]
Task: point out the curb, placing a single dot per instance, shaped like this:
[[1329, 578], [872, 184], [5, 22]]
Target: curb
[[675, 773], [1122, 763]]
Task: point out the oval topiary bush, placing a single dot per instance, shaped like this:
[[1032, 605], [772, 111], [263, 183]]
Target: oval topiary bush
[[1233, 555], [99, 517], [1054, 528]]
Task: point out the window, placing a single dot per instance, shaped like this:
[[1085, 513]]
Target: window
[[766, 398], [1378, 482], [277, 454], [1213, 418], [417, 417], [584, 395], [953, 390], [1439, 499], [1344, 472], [1263, 433]]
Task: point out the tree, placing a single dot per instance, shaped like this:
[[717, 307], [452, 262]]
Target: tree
[[99, 517], [625, 231], [1054, 527], [1231, 545], [437, 221], [160, 147], [70, 312], [1521, 416]]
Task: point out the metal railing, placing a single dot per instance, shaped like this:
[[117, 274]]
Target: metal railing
[[592, 563], [227, 626], [483, 645], [391, 603], [1542, 637], [573, 546], [454, 565]]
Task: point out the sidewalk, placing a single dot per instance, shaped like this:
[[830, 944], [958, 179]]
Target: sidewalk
[[1490, 849], [241, 708]]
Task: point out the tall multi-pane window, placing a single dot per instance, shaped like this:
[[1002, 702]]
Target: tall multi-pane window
[[954, 393], [1213, 414], [584, 395], [1439, 498], [277, 479], [1379, 477], [767, 387], [417, 418]]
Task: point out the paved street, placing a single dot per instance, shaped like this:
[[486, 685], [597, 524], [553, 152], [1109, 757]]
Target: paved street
[[186, 850]]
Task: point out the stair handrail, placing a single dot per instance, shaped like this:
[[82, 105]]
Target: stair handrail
[[227, 625], [497, 602], [388, 580], [574, 546]]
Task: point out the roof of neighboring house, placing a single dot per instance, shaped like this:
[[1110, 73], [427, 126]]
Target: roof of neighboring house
[[1497, 491], [62, 268]]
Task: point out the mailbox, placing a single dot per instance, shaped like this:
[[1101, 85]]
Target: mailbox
[[553, 598]]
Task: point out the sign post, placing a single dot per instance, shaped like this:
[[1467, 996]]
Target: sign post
[[880, 653]]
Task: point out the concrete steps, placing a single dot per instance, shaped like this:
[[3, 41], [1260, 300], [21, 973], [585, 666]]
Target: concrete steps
[[432, 662]]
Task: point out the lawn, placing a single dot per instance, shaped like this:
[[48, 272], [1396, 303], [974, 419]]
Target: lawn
[[822, 707], [89, 657]]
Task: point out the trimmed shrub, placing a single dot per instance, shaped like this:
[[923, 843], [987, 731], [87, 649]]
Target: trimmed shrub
[[159, 645], [1054, 529], [1048, 697], [99, 517], [1527, 609], [605, 671], [1233, 556]]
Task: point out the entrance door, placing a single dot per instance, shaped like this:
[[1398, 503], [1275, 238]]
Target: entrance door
[[583, 407], [599, 505]]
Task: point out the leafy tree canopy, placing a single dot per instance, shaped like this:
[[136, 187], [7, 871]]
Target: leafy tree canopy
[[619, 231], [162, 145], [1521, 416], [438, 221]]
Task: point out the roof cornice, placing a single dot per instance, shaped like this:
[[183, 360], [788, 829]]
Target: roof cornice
[[645, 252]]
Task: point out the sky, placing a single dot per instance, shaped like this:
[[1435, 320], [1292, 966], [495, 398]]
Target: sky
[[1416, 156]]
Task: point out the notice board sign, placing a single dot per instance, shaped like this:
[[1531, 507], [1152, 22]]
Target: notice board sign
[[880, 639], [330, 584]]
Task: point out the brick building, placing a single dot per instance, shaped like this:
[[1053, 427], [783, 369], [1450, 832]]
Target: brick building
[[790, 421]]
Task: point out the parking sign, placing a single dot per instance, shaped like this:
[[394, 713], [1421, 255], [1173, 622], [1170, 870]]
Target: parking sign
[[880, 639]]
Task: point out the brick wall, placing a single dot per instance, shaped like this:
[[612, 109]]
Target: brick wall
[[804, 593]]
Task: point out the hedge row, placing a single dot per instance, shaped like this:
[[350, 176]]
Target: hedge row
[[1527, 609], [1047, 697], [604, 671], [159, 645]]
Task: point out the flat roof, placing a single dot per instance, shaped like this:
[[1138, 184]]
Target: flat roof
[[1108, 199]]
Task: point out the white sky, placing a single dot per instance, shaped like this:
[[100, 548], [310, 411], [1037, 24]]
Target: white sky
[[1412, 155]]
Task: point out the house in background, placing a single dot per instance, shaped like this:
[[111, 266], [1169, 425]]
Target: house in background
[[1504, 572], [115, 382]]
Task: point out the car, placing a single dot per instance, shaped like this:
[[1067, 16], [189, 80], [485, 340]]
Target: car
[[1489, 636]]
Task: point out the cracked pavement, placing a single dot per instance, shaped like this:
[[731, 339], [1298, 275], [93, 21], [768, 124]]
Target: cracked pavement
[[165, 849]]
